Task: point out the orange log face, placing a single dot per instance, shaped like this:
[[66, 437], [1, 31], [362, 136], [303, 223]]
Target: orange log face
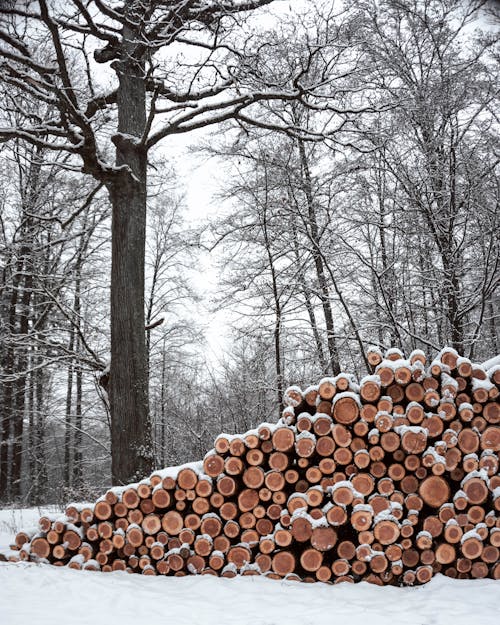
[[283, 439], [346, 410], [213, 465], [248, 499], [172, 523], [311, 560], [283, 563], [476, 491], [435, 491], [323, 538], [490, 438], [414, 442]]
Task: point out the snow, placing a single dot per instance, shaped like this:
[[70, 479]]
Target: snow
[[13, 520], [486, 384], [394, 364], [470, 534], [49, 595], [482, 474], [348, 394], [173, 472], [375, 379], [417, 352], [416, 429], [58, 596], [305, 434], [491, 363]]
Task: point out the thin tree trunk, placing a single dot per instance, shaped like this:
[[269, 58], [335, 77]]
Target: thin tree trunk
[[68, 415], [324, 292], [8, 368], [40, 481], [307, 300], [77, 441], [20, 383], [162, 407], [277, 304], [31, 428]]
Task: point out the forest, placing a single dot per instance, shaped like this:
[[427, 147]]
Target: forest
[[357, 204]]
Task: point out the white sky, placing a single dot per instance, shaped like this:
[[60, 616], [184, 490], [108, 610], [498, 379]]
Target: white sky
[[200, 178]]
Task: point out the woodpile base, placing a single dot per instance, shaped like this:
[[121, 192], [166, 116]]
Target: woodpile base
[[390, 481]]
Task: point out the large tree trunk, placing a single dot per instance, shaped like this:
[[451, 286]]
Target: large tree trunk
[[131, 437]]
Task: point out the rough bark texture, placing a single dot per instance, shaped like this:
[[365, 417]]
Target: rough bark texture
[[128, 391]]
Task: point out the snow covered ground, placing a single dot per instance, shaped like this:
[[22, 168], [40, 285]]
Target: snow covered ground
[[14, 519], [59, 596]]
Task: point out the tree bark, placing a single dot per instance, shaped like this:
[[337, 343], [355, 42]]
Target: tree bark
[[8, 368], [77, 441], [68, 418], [131, 436]]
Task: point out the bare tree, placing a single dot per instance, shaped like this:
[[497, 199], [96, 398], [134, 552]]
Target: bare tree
[[156, 94]]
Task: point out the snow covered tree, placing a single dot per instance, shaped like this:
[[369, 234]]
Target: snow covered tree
[[171, 67]]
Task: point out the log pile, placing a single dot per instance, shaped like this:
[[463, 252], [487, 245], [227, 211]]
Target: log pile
[[390, 481]]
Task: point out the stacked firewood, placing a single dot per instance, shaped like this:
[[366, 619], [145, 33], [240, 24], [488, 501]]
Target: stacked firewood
[[390, 480]]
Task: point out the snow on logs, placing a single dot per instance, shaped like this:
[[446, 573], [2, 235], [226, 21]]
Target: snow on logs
[[390, 480]]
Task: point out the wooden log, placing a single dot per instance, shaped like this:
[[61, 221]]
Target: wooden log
[[40, 547], [311, 559], [490, 438], [248, 499], [374, 356], [283, 439], [414, 441], [378, 563], [233, 465], [327, 388], [103, 510], [390, 441], [301, 529], [445, 553], [254, 457], [213, 465], [340, 568], [161, 498], [172, 523], [386, 531], [476, 490], [370, 389], [253, 477], [226, 485], [345, 410], [471, 547], [362, 517], [435, 491], [151, 524], [323, 538], [239, 555]]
